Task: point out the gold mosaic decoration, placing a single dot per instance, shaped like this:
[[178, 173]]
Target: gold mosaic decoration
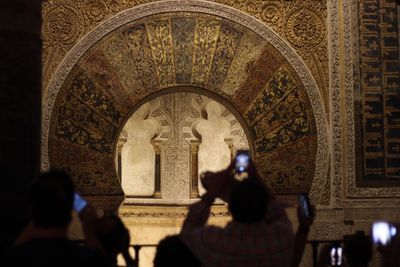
[[302, 23], [205, 43], [160, 37], [140, 50]]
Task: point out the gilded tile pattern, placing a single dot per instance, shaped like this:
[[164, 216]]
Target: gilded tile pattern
[[279, 121], [183, 35], [257, 76], [137, 40], [379, 108], [249, 50], [205, 43], [86, 117], [160, 39], [228, 40], [118, 55], [100, 71], [85, 90], [285, 17]]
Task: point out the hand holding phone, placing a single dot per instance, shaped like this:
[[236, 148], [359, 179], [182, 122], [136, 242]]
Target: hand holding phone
[[336, 255], [383, 233], [242, 161], [305, 207], [79, 203]]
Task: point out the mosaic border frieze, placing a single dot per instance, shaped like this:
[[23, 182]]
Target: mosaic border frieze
[[342, 60]]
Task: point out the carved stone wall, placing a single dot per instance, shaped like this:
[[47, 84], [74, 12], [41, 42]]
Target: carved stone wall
[[177, 116]]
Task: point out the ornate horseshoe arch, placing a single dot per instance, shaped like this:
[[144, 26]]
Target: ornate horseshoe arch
[[83, 111]]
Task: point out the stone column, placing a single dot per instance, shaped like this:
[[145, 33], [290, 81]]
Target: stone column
[[194, 169], [121, 143], [20, 110], [157, 184], [229, 142]]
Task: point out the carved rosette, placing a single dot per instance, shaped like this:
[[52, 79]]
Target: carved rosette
[[305, 28], [272, 13], [62, 26]]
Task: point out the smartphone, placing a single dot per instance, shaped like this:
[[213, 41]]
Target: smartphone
[[79, 203], [383, 233], [336, 255], [304, 203], [242, 161]]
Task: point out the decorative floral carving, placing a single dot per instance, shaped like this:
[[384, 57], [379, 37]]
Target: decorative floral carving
[[272, 12], [95, 10], [305, 28], [183, 33], [62, 26], [160, 39], [228, 40], [205, 42], [137, 40]]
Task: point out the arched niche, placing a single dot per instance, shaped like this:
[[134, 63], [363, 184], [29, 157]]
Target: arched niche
[[160, 45], [166, 125]]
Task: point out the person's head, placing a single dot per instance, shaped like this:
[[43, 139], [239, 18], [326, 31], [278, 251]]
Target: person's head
[[51, 199], [249, 201], [358, 249], [171, 251], [113, 235]]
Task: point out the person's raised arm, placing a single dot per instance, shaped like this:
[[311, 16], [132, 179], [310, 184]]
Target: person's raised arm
[[217, 184], [89, 218], [301, 236], [276, 212]]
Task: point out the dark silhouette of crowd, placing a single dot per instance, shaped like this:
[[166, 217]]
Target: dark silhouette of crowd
[[44, 241], [259, 234]]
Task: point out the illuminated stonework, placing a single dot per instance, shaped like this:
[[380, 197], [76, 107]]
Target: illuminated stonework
[[170, 126]]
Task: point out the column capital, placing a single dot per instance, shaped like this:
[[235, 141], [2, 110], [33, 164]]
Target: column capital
[[194, 146], [157, 146]]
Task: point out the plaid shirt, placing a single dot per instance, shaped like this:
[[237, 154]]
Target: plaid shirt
[[238, 244]]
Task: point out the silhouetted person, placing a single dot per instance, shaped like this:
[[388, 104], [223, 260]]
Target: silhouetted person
[[115, 239], [301, 235], [390, 253], [260, 233], [44, 241], [357, 250], [171, 251]]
